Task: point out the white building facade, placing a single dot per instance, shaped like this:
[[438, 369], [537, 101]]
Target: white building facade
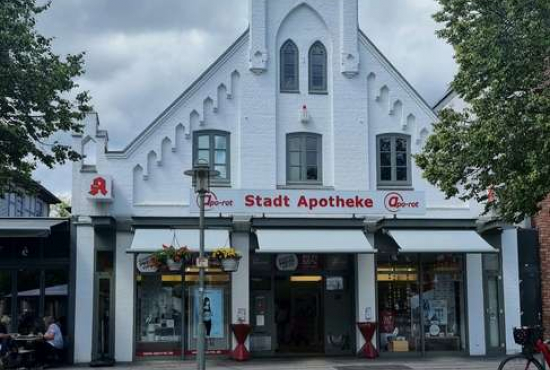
[[313, 132]]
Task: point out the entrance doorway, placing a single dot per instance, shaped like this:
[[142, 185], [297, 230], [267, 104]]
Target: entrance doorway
[[299, 314]]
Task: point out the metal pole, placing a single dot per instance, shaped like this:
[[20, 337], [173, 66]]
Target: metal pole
[[201, 343]]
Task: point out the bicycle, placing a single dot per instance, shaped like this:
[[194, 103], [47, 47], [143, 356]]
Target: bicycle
[[530, 338]]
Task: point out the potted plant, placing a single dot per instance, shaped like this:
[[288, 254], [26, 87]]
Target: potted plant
[[170, 256], [228, 258]]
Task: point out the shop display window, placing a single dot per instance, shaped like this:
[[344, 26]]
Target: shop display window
[[159, 315], [168, 313], [421, 302]]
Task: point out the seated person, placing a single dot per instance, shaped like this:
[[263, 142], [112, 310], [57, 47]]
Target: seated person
[[52, 341], [7, 344]]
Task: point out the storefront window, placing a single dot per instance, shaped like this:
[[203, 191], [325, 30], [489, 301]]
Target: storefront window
[[216, 308], [421, 302], [5, 299], [399, 316], [28, 300], [159, 315], [56, 291], [442, 302]]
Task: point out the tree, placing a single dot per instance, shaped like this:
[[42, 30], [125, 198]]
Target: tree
[[37, 96], [63, 209], [501, 143]]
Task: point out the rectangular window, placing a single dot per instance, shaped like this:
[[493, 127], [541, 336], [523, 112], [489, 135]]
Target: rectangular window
[[394, 160], [213, 147], [304, 158]]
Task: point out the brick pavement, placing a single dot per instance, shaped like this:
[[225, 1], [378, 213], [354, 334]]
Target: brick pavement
[[441, 363]]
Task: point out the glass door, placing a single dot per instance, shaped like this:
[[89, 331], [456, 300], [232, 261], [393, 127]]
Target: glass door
[[494, 314]]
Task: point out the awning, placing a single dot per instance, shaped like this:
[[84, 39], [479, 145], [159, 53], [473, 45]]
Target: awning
[[440, 241], [313, 241], [27, 228], [151, 240]]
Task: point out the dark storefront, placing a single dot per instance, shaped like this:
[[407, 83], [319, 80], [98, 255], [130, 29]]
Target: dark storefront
[[35, 274]]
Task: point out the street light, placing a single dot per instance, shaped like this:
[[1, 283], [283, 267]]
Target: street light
[[201, 174]]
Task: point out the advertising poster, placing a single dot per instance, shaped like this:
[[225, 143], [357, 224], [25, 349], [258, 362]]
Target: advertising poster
[[213, 312]]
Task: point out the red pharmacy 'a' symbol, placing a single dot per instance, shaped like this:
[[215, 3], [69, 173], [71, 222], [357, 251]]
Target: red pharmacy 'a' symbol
[[99, 185]]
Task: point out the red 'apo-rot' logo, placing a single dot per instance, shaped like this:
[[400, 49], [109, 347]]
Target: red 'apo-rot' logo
[[395, 202], [211, 202]]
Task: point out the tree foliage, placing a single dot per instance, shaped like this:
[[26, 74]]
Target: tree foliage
[[501, 142], [37, 96]]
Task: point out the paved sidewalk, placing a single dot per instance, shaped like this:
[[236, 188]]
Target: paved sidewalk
[[446, 363]]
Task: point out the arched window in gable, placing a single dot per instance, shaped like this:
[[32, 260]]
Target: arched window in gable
[[289, 67], [318, 68]]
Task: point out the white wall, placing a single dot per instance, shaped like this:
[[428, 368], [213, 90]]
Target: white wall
[[124, 298], [84, 293], [365, 293], [475, 305], [510, 279], [240, 281]]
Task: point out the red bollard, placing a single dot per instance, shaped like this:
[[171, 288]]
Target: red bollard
[[367, 329], [241, 331]]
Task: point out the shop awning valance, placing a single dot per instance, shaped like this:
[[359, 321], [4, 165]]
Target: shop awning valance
[[313, 241], [440, 241], [27, 228], [151, 240]]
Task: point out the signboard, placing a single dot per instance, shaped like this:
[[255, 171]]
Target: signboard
[[313, 202], [100, 188]]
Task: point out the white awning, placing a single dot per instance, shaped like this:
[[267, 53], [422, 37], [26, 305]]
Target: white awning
[[27, 228], [313, 241], [151, 240], [440, 241]]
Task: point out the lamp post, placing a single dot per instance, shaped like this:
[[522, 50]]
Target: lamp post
[[201, 174]]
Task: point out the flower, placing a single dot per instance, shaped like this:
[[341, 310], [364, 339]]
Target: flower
[[161, 256], [225, 253]]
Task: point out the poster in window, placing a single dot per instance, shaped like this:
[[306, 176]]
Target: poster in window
[[213, 312]]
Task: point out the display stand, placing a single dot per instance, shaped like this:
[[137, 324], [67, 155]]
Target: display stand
[[241, 331], [367, 330]]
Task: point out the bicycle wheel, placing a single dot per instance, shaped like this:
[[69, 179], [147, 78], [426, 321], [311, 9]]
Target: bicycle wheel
[[520, 362]]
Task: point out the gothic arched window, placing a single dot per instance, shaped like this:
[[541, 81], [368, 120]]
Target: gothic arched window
[[289, 67], [317, 68]]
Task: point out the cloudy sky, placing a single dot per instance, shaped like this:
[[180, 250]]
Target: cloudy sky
[[141, 54]]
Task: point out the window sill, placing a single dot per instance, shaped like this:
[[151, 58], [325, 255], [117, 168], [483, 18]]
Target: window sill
[[304, 187], [88, 168], [318, 92], [289, 91], [395, 187]]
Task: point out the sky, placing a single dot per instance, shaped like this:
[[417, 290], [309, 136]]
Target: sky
[[141, 54]]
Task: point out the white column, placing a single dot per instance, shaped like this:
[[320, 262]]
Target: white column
[[240, 281], [84, 294], [476, 307], [510, 280], [124, 298], [365, 293]]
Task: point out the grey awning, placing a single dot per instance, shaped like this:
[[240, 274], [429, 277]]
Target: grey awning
[[440, 241], [27, 228], [151, 240], [313, 241]]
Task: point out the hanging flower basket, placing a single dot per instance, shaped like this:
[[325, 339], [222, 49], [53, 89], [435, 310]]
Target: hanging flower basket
[[228, 258], [170, 257], [173, 265], [230, 264]]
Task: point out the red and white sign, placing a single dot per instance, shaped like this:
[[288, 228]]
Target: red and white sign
[[100, 188], [313, 202]]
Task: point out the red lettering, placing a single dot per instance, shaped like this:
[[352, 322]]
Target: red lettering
[[99, 185], [350, 203], [323, 202], [249, 201], [313, 202], [369, 203], [302, 202]]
